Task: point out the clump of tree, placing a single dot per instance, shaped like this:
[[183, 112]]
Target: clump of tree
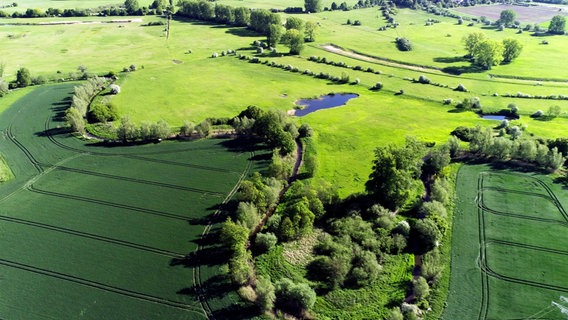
[[234, 236], [487, 53], [396, 171], [297, 211], [294, 40], [81, 100], [486, 143]]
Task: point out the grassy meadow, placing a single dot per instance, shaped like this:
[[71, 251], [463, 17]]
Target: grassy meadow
[[96, 232], [104, 226], [513, 270]]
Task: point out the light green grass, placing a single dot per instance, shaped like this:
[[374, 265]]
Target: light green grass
[[23, 5], [112, 226], [506, 245]]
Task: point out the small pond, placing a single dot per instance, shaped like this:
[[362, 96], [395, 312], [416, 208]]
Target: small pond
[[323, 102], [497, 117]]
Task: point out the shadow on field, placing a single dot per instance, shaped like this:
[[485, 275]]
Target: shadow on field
[[241, 32], [457, 70], [243, 311], [451, 59], [210, 256]]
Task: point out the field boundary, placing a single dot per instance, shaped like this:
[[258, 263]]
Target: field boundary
[[197, 284]]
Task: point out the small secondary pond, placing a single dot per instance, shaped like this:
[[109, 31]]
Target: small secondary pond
[[323, 102], [496, 117]]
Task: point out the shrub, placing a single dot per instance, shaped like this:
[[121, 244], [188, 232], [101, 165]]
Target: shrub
[[377, 86], [265, 241], [403, 44], [537, 114], [186, 129], [461, 88], [296, 298], [422, 79], [214, 55], [114, 89], [448, 101]]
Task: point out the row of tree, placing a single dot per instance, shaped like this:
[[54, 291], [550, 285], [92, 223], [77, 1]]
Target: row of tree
[[484, 142]]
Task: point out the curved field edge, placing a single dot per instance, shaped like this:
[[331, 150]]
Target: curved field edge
[[95, 258], [479, 290]]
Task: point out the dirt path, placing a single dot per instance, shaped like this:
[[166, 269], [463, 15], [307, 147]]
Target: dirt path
[[352, 54], [292, 178]]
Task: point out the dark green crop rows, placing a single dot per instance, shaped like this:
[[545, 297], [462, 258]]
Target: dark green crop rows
[[509, 249], [97, 232]]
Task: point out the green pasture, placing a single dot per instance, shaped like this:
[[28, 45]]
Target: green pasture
[[174, 85], [23, 5], [508, 246], [96, 232]]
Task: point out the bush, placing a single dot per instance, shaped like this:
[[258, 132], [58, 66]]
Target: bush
[[448, 101], [377, 86], [538, 113], [114, 89], [461, 88], [265, 241], [422, 79], [295, 298], [403, 44]]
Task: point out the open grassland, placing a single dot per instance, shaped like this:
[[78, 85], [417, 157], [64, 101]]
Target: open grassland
[[23, 5], [508, 248], [525, 14], [95, 232], [174, 85]]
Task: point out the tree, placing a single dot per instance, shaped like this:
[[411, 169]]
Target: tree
[[23, 77], [511, 49], [265, 295], [186, 129], [75, 119], [395, 173], [472, 42], [507, 17], [242, 16], [312, 5], [403, 44], [420, 288], [131, 6], [296, 298], [489, 53], [557, 25], [4, 88], [425, 234], [310, 31], [294, 40], [294, 23], [274, 35], [127, 131]]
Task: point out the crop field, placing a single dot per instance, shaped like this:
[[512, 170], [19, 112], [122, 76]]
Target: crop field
[[525, 14], [509, 246], [111, 232]]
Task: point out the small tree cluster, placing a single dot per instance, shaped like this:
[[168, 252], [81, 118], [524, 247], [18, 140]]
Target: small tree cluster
[[484, 142], [127, 131]]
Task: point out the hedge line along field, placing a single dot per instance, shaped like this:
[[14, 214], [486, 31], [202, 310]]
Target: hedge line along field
[[508, 246], [97, 232]]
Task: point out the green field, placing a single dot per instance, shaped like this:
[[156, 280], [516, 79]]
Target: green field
[[509, 246], [97, 232]]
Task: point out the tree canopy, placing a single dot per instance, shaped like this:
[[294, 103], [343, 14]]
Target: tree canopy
[[507, 17], [395, 173], [557, 25]]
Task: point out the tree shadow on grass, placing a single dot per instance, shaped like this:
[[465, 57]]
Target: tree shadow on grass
[[451, 59], [243, 310], [458, 70], [242, 32]]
